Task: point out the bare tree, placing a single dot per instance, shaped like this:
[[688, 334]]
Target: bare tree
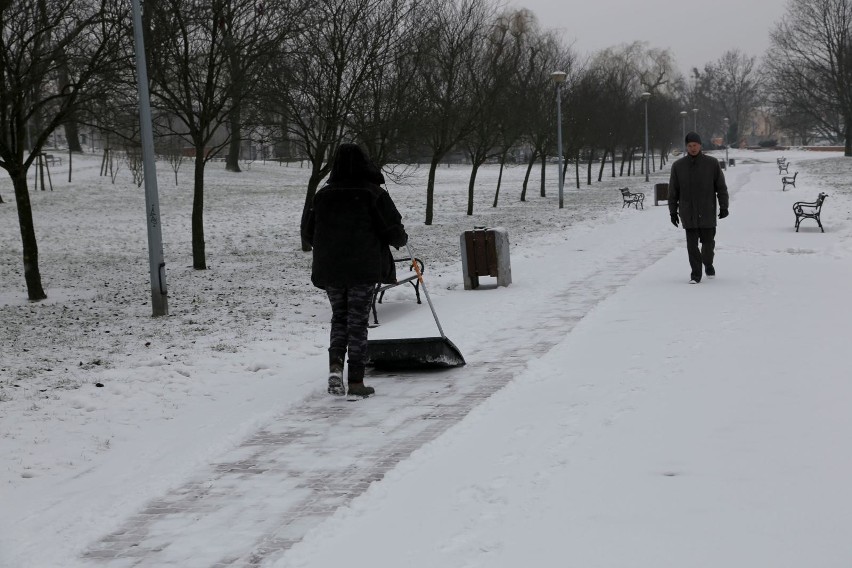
[[727, 88], [809, 64], [193, 74], [317, 83], [37, 38], [446, 92], [524, 43], [495, 91], [133, 158], [383, 116], [537, 104]]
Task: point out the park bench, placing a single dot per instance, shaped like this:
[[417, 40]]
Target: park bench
[[809, 210], [780, 160], [628, 198], [788, 180], [783, 167], [51, 160], [414, 280]]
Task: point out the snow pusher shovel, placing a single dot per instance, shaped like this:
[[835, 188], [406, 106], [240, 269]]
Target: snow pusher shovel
[[415, 352]]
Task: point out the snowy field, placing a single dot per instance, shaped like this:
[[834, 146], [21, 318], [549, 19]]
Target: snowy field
[[619, 416]]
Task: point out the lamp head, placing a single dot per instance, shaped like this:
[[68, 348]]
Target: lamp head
[[559, 76]]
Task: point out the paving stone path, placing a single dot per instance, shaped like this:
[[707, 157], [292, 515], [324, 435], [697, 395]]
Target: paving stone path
[[299, 469]]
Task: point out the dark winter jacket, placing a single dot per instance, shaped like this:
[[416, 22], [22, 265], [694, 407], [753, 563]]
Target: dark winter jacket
[[350, 227], [695, 184]]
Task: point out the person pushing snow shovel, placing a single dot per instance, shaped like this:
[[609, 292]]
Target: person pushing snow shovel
[[350, 225]]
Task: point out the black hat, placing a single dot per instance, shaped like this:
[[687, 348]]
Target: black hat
[[693, 137]]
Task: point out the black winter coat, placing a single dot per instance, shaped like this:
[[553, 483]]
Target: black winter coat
[[350, 227], [694, 186]]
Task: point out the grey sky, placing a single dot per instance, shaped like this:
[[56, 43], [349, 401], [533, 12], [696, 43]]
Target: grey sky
[[696, 32]]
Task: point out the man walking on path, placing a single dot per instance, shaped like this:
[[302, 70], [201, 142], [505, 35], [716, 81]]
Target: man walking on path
[[695, 184]]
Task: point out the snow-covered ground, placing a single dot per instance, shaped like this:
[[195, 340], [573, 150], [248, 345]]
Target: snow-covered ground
[[610, 414]]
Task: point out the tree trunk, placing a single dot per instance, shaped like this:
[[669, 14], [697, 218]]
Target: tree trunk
[[470, 186], [72, 135], [499, 178], [589, 167], [612, 161], [543, 171], [199, 259], [577, 168], [847, 149], [32, 275], [624, 155], [430, 188], [603, 165], [533, 157], [232, 162]]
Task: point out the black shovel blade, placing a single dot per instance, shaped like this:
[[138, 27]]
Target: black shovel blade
[[413, 353]]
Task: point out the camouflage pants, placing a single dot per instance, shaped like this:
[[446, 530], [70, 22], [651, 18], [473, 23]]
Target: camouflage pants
[[350, 313]]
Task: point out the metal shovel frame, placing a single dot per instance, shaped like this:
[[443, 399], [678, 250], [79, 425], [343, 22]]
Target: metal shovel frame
[[416, 352]]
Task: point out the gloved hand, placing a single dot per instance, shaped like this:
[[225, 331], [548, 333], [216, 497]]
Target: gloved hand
[[723, 213], [675, 220]]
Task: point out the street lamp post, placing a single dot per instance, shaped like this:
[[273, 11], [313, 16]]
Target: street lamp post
[[683, 114], [695, 120], [559, 78], [645, 97], [159, 292], [727, 162]]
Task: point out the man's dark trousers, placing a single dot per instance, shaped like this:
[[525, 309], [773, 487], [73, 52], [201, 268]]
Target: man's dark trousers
[[700, 256]]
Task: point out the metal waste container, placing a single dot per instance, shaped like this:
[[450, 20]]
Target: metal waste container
[[485, 252], [661, 193], [722, 164]]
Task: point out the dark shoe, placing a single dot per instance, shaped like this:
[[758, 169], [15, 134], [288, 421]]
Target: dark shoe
[[360, 389], [710, 271]]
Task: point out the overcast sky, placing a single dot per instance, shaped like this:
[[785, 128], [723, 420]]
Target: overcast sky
[[697, 32]]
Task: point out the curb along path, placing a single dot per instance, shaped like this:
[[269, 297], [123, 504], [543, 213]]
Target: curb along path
[[287, 478]]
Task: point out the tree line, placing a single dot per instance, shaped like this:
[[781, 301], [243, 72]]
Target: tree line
[[414, 81]]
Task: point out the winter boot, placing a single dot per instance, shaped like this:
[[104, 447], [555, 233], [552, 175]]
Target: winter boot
[[335, 373], [357, 388]]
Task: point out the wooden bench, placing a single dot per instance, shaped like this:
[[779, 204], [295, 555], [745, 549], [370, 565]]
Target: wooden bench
[[809, 210], [380, 290], [783, 167], [628, 198], [780, 160], [788, 180], [51, 160]]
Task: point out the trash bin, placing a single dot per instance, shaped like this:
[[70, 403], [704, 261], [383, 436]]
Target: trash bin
[[485, 252], [661, 193], [722, 164], [731, 162]]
